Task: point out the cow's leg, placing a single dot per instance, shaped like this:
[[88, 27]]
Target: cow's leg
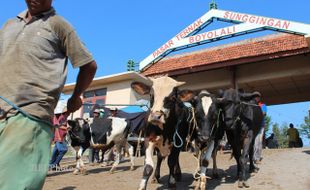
[[205, 160], [172, 161], [82, 165], [149, 165], [243, 159], [253, 168], [177, 171], [118, 148], [157, 170], [233, 140], [79, 161], [130, 150], [215, 173]]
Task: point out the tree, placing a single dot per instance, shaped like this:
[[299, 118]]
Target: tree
[[267, 123], [305, 127], [280, 134], [131, 65]]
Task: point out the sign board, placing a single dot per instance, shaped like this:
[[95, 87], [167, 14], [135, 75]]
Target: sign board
[[245, 23]]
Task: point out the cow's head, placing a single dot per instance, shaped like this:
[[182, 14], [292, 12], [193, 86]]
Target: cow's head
[[204, 111], [78, 129], [164, 95]]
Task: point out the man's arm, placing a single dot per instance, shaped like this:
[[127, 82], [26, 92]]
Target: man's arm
[[85, 77]]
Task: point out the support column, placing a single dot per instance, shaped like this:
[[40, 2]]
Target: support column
[[233, 77]]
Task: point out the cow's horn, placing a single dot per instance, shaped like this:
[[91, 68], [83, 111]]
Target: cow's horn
[[180, 83]]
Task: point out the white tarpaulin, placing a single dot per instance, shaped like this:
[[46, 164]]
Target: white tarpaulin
[[61, 106]]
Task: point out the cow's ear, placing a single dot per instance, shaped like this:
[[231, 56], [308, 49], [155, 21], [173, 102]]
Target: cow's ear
[[141, 88], [186, 95], [71, 123]]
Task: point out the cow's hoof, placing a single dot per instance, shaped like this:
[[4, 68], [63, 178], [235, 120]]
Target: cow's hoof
[[132, 168], [84, 171], [155, 180], [240, 184], [76, 171], [246, 184], [105, 164], [257, 162], [254, 170], [112, 170]]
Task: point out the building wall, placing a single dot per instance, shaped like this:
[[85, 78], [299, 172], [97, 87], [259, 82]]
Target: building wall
[[119, 93]]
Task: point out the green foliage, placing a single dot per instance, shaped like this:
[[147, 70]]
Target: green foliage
[[305, 127], [280, 134], [267, 123], [213, 5], [131, 65]]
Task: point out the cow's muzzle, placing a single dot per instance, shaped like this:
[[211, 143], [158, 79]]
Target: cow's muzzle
[[157, 117]]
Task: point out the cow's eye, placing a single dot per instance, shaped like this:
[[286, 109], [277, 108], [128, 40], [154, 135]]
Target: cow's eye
[[168, 102]]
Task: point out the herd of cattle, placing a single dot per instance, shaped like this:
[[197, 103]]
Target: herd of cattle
[[171, 124]]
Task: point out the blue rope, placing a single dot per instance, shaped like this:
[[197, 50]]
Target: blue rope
[[23, 112], [176, 133]]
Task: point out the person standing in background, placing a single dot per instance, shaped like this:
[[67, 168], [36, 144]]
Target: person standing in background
[[258, 144], [60, 148], [93, 155], [35, 48], [293, 136]]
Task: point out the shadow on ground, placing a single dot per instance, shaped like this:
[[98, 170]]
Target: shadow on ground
[[184, 184], [68, 188], [228, 176]]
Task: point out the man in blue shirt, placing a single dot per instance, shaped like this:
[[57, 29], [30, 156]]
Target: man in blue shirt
[[258, 145]]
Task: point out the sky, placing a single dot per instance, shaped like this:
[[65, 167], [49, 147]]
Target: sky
[[119, 30]]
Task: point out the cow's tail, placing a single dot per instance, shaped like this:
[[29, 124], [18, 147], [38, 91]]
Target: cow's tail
[[127, 129]]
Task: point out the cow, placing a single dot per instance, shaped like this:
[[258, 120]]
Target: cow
[[206, 116], [242, 122], [209, 134], [167, 125], [81, 138]]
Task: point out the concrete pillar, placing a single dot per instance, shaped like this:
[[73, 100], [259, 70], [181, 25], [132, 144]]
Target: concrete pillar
[[233, 77]]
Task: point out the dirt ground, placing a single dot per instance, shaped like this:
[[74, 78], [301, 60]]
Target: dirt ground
[[280, 169]]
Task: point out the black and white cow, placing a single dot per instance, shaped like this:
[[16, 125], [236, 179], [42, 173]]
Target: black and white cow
[[210, 132], [242, 122], [81, 139], [167, 125]]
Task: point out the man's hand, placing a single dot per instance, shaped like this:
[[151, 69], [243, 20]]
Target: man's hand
[[74, 103], [85, 77]]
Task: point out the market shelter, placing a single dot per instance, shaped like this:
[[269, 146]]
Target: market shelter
[[276, 65]]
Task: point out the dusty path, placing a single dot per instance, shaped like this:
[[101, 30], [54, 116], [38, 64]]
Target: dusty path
[[280, 169]]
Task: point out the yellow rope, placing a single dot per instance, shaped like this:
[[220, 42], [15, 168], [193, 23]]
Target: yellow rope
[[193, 123]]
